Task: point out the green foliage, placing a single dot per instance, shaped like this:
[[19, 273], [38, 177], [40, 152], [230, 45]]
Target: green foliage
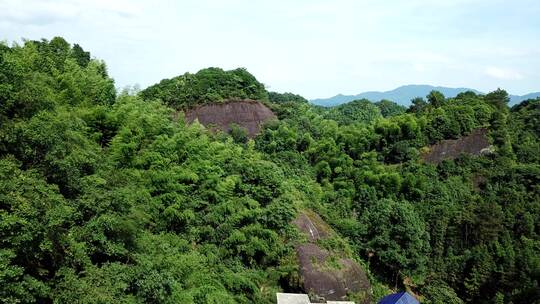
[[440, 294], [524, 126], [82, 57], [285, 98], [206, 86], [239, 134], [389, 108], [435, 99], [357, 111], [400, 246], [108, 199], [418, 104], [452, 231], [498, 98]]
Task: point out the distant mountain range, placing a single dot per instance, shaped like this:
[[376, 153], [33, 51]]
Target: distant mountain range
[[404, 94]]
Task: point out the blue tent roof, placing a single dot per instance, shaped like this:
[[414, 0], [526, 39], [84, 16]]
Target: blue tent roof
[[399, 298]]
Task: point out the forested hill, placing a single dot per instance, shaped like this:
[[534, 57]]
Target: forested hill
[[404, 94], [107, 197], [206, 86]]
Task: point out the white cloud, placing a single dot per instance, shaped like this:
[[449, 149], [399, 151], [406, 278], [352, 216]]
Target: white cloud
[[504, 74], [45, 12], [419, 67]]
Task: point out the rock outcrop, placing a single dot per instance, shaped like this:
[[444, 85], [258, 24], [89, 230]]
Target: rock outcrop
[[327, 274], [475, 143], [248, 114]]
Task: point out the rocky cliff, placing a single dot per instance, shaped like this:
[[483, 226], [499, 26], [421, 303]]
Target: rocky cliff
[[475, 143], [248, 114]]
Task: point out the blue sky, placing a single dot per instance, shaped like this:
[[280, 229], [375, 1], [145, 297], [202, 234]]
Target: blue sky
[[310, 47]]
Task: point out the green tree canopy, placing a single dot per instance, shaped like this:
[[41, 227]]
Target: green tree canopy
[[205, 86]]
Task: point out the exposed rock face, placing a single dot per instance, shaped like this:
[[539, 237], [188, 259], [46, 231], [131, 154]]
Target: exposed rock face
[[327, 274], [331, 282], [476, 144], [249, 114], [312, 225]]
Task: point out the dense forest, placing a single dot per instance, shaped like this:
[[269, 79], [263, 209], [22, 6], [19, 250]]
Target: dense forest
[[107, 197]]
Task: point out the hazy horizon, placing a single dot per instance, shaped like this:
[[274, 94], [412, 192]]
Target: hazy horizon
[[313, 48]]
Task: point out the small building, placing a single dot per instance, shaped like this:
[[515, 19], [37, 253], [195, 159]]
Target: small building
[[399, 298], [292, 298], [300, 298]]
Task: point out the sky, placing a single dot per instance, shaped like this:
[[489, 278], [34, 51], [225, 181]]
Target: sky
[[313, 48]]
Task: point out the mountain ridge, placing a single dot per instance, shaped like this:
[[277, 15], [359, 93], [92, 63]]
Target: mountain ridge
[[403, 95]]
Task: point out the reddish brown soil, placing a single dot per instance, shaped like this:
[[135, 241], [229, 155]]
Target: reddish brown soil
[[249, 114], [476, 144]]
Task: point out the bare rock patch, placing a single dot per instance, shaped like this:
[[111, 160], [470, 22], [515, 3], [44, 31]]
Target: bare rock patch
[[248, 114], [327, 274], [476, 143]]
